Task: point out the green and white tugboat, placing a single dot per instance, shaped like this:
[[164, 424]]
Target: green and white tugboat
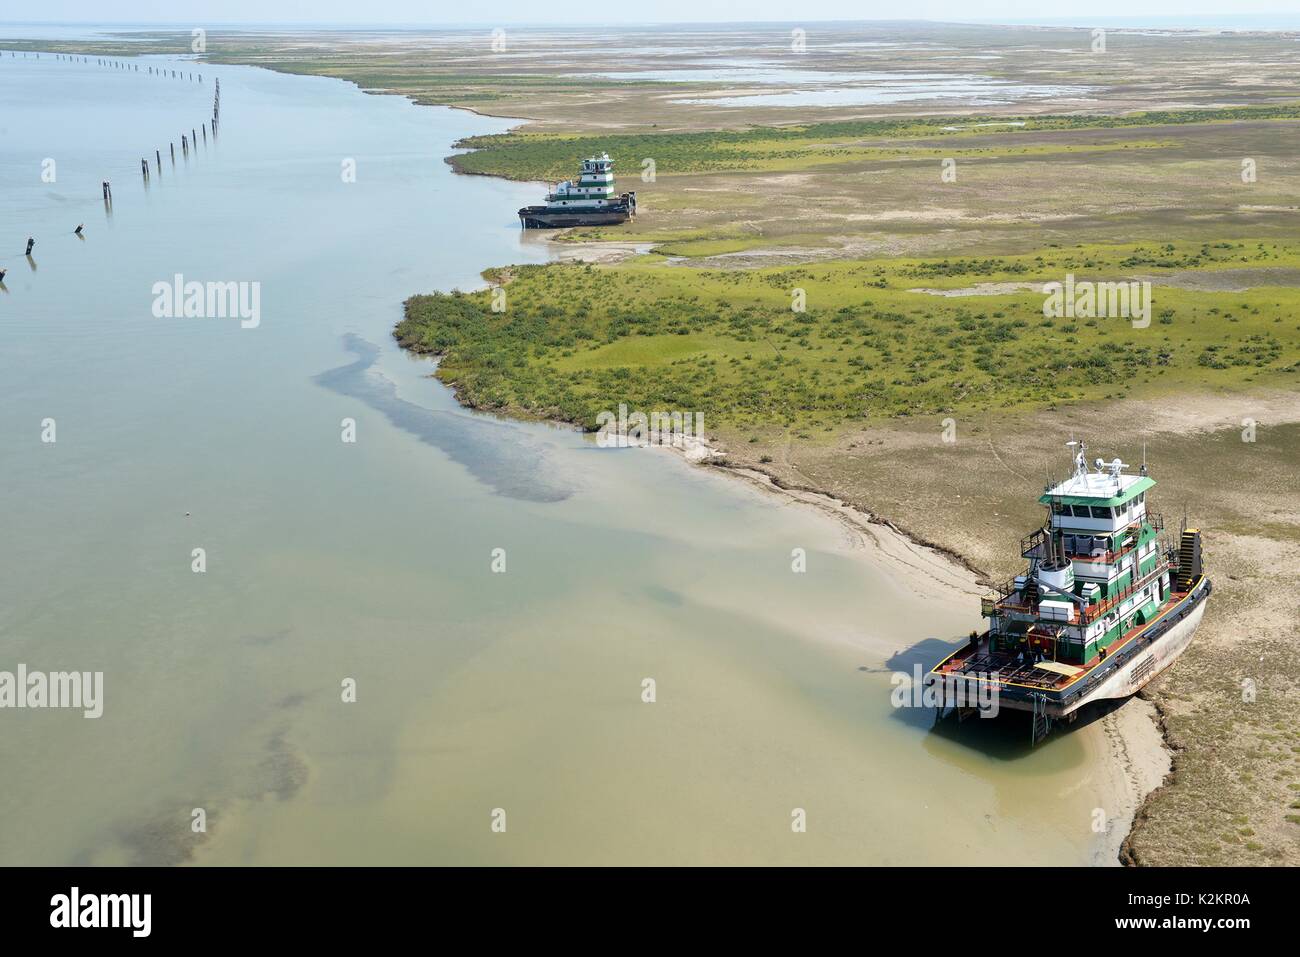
[[590, 201], [1106, 604]]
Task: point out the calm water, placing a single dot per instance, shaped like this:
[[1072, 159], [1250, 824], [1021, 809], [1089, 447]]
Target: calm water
[[371, 561], [869, 88], [834, 88]]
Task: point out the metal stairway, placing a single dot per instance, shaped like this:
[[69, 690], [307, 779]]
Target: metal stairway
[[1189, 559]]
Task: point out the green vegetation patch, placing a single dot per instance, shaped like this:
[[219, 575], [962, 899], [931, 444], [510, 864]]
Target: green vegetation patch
[[576, 339], [549, 156]]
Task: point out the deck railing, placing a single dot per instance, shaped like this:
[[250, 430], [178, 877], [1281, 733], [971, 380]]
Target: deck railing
[[1001, 599], [1033, 545], [1093, 612], [1031, 542]]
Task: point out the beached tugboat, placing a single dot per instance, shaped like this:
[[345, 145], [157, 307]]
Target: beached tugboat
[[1105, 605], [590, 201]]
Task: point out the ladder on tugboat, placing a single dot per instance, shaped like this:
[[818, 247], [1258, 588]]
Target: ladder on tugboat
[[1189, 559], [1042, 722]]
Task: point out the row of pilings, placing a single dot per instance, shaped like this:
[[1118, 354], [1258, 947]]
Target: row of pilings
[[189, 141], [114, 64]]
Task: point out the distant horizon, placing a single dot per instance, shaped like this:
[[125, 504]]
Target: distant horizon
[[1191, 21]]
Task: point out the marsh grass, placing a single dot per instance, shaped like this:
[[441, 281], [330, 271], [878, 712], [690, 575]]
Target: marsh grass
[[577, 339], [549, 155]]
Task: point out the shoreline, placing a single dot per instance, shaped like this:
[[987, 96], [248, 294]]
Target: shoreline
[[816, 496], [1128, 854]]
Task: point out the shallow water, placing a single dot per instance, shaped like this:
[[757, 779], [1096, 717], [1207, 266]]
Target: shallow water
[[722, 74], [870, 88], [371, 560], [840, 88]]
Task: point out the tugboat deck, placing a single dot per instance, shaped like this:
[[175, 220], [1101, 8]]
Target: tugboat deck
[[1011, 670], [1007, 666]]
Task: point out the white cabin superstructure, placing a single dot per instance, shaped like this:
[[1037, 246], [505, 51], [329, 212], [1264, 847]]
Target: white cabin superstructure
[[1095, 567], [593, 189]]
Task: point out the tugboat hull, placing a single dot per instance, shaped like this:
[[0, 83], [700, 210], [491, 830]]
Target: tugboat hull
[[1135, 663], [1152, 656], [548, 217]]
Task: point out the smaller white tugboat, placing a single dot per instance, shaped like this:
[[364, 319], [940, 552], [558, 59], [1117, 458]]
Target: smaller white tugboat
[[1104, 606], [590, 201]]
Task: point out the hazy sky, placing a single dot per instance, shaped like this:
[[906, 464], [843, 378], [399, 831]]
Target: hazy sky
[[440, 12]]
